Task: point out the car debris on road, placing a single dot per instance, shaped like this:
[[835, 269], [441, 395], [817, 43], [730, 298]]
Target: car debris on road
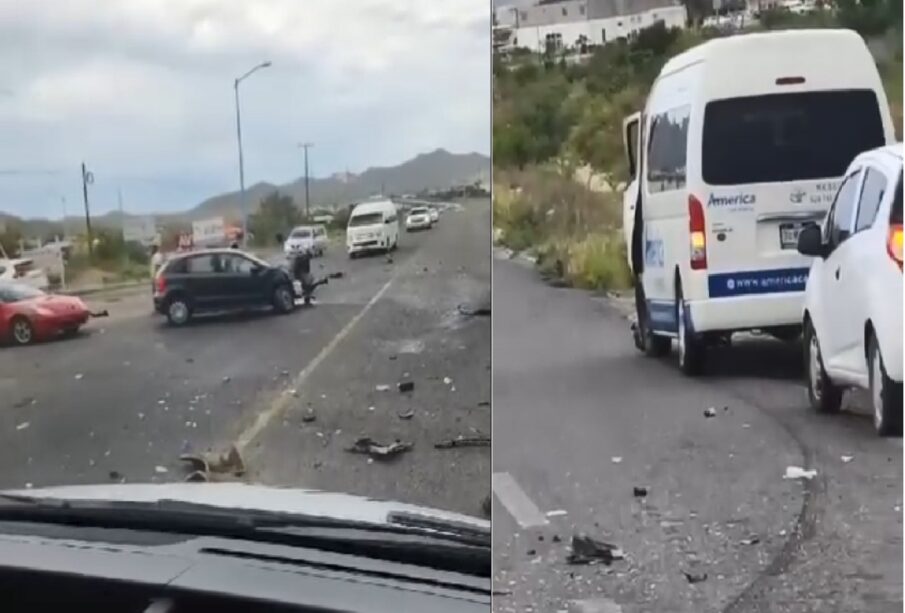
[[695, 577], [207, 463], [368, 446], [586, 550], [797, 472], [464, 441]]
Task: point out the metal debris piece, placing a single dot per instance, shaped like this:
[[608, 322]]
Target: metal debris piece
[[406, 386], [407, 415], [797, 472], [309, 416], [639, 491], [161, 470], [847, 458], [751, 540], [557, 513], [709, 412], [586, 550], [368, 446], [484, 403], [336, 275], [228, 462], [382, 387], [556, 538], [695, 577], [23, 425], [464, 441]]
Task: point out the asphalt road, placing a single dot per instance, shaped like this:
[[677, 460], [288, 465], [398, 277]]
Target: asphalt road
[[123, 400], [581, 418]]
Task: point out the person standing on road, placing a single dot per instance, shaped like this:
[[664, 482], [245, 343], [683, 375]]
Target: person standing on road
[[156, 261], [301, 271]]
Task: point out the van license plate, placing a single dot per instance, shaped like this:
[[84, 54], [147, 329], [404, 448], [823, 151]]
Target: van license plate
[[788, 234]]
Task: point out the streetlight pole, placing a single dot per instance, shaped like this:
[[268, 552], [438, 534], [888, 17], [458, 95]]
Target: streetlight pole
[[87, 177], [241, 160], [306, 146]]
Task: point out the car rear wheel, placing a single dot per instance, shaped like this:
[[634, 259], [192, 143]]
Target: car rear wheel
[[823, 394], [885, 394], [283, 299], [179, 311], [22, 331]]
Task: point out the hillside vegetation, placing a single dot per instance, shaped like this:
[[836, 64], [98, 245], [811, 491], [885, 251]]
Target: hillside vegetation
[[554, 117]]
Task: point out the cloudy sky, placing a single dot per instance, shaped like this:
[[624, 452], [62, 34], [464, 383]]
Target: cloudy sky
[[142, 91]]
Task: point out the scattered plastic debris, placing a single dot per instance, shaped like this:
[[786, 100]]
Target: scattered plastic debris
[[161, 470], [406, 386], [586, 550], [639, 491], [79, 376], [616, 459], [709, 412], [447, 381], [751, 540], [227, 379], [557, 513], [407, 415], [695, 577], [797, 472], [369, 446], [382, 387], [464, 441], [847, 458], [23, 425], [309, 416]]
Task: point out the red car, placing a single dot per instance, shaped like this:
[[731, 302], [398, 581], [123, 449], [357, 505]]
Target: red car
[[27, 314]]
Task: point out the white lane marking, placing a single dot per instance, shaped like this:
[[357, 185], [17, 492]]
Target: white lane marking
[[517, 502], [283, 401], [595, 605]]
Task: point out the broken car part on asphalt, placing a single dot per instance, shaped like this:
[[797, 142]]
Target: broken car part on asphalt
[[586, 550], [205, 464], [464, 441], [368, 446]]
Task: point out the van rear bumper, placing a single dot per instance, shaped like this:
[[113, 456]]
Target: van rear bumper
[[747, 312]]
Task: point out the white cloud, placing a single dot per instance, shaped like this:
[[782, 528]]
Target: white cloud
[[143, 91]]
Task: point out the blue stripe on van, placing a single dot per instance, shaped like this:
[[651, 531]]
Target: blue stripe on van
[[782, 280], [662, 316]]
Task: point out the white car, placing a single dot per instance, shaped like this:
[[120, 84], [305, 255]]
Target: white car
[[23, 271], [306, 238], [853, 297], [434, 214], [418, 219]]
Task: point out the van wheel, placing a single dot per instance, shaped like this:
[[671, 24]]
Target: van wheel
[[650, 344], [824, 396], [691, 347], [885, 394]]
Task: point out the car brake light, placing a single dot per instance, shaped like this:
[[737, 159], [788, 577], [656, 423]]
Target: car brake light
[[697, 234], [161, 284], [894, 244]]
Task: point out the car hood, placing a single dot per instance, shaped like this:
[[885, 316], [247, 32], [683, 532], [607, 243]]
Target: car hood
[[345, 507]]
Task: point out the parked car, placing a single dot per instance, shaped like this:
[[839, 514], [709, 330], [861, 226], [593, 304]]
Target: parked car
[[853, 298], [418, 219], [28, 314], [373, 226], [434, 214], [24, 271], [219, 280], [306, 238]]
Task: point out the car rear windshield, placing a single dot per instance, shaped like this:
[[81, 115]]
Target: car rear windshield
[[895, 215], [301, 233], [419, 212], [367, 219], [788, 137]]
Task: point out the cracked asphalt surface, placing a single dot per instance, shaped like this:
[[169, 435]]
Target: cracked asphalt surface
[[581, 418], [124, 399]]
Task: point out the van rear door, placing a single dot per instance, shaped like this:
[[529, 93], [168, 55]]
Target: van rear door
[[630, 130], [771, 164]]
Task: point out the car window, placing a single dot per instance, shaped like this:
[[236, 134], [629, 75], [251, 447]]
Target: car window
[[839, 223], [366, 219], [177, 266], [204, 264], [301, 233], [667, 153], [237, 264], [872, 191]]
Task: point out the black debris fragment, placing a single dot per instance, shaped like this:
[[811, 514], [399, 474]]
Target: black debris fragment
[[464, 441], [709, 412], [484, 403], [481, 310], [368, 446], [556, 538], [695, 577], [309, 416], [115, 475], [336, 275], [406, 386], [485, 506], [639, 491], [532, 552], [751, 540], [586, 550], [103, 313]]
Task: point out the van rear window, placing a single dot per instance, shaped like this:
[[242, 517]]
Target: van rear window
[[788, 137]]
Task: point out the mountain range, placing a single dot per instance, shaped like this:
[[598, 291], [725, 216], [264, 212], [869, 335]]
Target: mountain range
[[436, 170]]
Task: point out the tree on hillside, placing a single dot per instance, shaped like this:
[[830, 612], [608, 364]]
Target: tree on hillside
[[277, 214]]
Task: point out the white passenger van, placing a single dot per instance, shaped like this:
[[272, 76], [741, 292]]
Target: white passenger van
[[744, 140], [373, 226]]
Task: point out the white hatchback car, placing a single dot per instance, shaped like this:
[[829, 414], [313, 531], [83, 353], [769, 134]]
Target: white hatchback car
[[418, 219], [853, 299]]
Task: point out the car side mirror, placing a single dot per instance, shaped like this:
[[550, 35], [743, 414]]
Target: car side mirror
[[810, 242]]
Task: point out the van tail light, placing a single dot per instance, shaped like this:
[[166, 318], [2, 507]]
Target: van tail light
[[161, 284], [697, 234], [894, 243]]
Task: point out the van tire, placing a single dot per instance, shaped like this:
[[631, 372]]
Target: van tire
[[691, 348], [650, 344], [885, 394], [823, 395]]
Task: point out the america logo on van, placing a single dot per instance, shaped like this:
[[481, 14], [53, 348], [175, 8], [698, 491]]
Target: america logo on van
[[736, 201]]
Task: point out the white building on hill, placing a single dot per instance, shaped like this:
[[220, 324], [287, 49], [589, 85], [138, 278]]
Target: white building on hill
[[572, 24]]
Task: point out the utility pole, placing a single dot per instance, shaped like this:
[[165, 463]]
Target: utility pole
[[122, 226], [236, 83], [306, 146], [87, 177]]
